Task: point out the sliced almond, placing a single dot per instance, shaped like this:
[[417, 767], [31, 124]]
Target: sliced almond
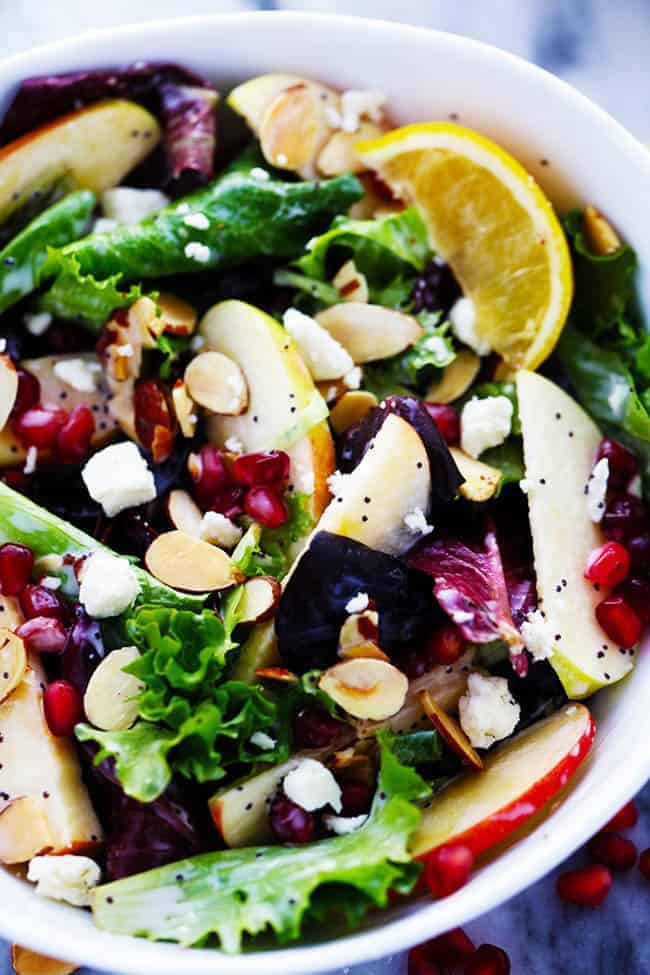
[[8, 388], [366, 651], [359, 628], [350, 283], [450, 731], [143, 315], [338, 156], [28, 962], [178, 316], [456, 379], [24, 830], [111, 698], [13, 662], [370, 332], [351, 408], [481, 480], [366, 688], [279, 674], [601, 236], [353, 764], [294, 128], [216, 382], [184, 408], [184, 513], [188, 563], [332, 389], [259, 600]]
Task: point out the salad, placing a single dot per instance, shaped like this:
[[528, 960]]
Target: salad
[[325, 453]]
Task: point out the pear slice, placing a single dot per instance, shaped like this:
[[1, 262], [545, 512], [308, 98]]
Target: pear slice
[[93, 148], [560, 442]]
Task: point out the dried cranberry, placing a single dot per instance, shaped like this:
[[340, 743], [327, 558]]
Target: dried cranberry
[[43, 634], [436, 289], [73, 440], [265, 506], [448, 868], [615, 851], [29, 392], [445, 645], [39, 601], [289, 822], [623, 465], [446, 419], [154, 419], [644, 864], [636, 592], [16, 564], [488, 960], [266, 467], [588, 887], [315, 728], [63, 707], [625, 517], [619, 621], [210, 474], [230, 501], [625, 818], [639, 549], [39, 426], [608, 565], [356, 797]]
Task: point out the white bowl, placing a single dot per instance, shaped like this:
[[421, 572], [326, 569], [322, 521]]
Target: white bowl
[[590, 157]]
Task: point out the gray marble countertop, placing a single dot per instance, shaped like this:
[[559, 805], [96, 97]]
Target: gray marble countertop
[[601, 48]]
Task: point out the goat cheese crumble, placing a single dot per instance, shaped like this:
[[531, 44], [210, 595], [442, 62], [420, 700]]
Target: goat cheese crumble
[[488, 713], [537, 634], [324, 356], [358, 603], [68, 878], [117, 477], [462, 316], [219, 530], [38, 323], [417, 523], [108, 585], [596, 489], [196, 251], [261, 740], [311, 786], [485, 423], [341, 825], [197, 220], [78, 374], [127, 204]]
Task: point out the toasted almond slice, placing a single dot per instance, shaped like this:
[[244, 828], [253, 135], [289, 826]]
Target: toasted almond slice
[[178, 316], [332, 389], [600, 234], [481, 480], [13, 662], [216, 382], [359, 628], [351, 408], [28, 962], [294, 128], [143, 316], [24, 830], [8, 388], [111, 698], [184, 513], [338, 156], [279, 674], [366, 688], [363, 651], [352, 764], [183, 562], [456, 379], [370, 332], [350, 283], [184, 408], [261, 596], [450, 731]]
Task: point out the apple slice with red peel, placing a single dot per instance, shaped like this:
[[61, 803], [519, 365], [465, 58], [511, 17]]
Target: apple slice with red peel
[[481, 809]]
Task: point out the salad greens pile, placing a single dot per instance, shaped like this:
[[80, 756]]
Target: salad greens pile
[[268, 551]]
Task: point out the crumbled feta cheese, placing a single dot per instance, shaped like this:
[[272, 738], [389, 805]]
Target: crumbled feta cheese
[[341, 825], [488, 713], [525, 485], [38, 323], [596, 489], [31, 460], [485, 423], [50, 582], [3, 346], [462, 316], [117, 477], [125, 351], [258, 173], [108, 585], [79, 374], [417, 523], [352, 379], [311, 786], [68, 878], [634, 487], [234, 445], [104, 225], [196, 251], [537, 633], [324, 356], [126, 204], [261, 740], [197, 220], [219, 530], [357, 104], [337, 483], [358, 603]]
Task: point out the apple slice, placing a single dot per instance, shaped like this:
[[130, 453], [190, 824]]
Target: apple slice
[[312, 462], [560, 442], [93, 148], [518, 778]]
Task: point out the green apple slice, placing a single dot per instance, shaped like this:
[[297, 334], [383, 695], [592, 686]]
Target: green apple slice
[[560, 442]]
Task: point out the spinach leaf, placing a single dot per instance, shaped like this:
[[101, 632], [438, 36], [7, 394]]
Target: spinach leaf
[[415, 368]]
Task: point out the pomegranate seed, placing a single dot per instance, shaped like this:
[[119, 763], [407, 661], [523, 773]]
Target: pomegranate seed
[[29, 392], [16, 564], [622, 464], [265, 505], [42, 634], [625, 818], [261, 468], [615, 851], [624, 518], [637, 593], [210, 475], [63, 707], [619, 621], [588, 887], [154, 419], [356, 797], [73, 440], [39, 426], [448, 868], [17, 480], [315, 728], [639, 551], [289, 822], [488, 960], [644, 864], [447, 949], [445, 645], [446, 419], [608, 565], [230, 501], [39, 601]]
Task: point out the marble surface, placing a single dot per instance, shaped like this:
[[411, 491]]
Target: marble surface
[[601, 48]]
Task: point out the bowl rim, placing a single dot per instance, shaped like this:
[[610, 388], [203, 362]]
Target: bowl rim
[[135, 956]]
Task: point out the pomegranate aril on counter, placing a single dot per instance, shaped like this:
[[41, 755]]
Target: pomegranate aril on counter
[[619, 621], [447, 420], [210, 474], [73, 439], [265, 505], [315, 728], [623, 465], [29, 392], [267, 467], [43, 634], [587, 887], [289, 822], [39, 426], [614, 851], [624, 518], [447, 949], [63, 706], [608, 565], [39, 601], [16, 564], [625, 818], [488, 960], [448, 869]]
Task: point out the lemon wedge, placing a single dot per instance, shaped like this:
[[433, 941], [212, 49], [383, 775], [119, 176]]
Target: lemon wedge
[[490, 220]]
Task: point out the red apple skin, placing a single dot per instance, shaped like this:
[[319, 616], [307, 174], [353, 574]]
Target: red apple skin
[[496, 826]]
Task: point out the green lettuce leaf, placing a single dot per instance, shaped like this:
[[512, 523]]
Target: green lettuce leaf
[[268, 553], [416, 368], [79, 297]]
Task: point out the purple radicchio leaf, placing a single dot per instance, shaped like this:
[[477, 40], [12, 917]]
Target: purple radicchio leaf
[[516, 548]]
